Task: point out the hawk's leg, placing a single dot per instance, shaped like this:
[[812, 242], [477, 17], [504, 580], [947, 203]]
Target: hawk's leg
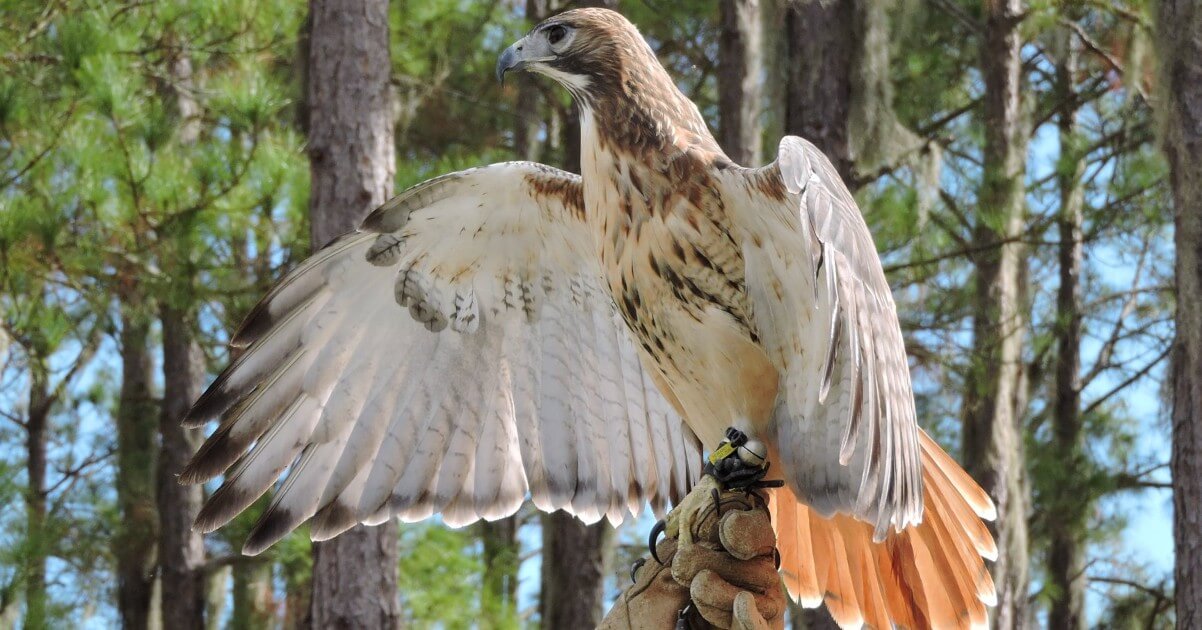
[[738, 463]]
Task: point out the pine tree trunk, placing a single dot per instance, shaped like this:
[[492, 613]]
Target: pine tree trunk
[[775, 51], [574, 570], [36, 427], [352, 161], [1069, 506], [352, 164], [821, 47], [993, 446], [1180, 35], [217, 582], [137, 415], [181, 549], [253, 600], [815, 619], [501, 561], [740, 81]]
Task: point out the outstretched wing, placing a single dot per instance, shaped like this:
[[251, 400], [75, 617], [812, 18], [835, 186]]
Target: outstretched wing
[[846, 430], [510, 375]]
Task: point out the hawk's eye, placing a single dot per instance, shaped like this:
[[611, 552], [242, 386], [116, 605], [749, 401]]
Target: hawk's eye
[[556, 33]]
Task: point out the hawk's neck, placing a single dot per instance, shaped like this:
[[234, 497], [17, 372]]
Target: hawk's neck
[[638, 111]]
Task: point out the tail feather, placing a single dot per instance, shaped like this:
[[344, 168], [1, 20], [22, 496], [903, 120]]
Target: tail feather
[[935, 459], [959, 509], [913, 559], [948, 604], [847, 553], [876, 609], [930, 575], [840, 593], [901, 606], [957, 546]]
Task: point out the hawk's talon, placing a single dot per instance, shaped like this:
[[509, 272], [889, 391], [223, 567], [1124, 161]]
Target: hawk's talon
[[733, 474], [735, 464], [658, 529], [762, 485], [638, 564], [682, 622]]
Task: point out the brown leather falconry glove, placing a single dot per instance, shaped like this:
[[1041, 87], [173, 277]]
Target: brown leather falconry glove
[[726, 579], [655, 600]]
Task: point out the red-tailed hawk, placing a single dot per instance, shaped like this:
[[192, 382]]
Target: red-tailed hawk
[[577, 339]]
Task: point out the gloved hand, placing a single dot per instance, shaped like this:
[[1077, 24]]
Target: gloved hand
[[727, 578], [731, 568], [654, 600]]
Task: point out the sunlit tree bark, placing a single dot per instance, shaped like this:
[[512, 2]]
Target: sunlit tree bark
[[821, 46], [741, 81], [993, 398]]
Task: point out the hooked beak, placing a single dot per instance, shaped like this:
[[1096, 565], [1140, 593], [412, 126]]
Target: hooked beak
[[511, 59]]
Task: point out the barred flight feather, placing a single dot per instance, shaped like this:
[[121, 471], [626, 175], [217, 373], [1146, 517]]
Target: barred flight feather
[[375, 415]]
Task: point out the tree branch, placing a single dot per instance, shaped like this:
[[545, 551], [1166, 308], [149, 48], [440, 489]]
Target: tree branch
[[1142, 372]]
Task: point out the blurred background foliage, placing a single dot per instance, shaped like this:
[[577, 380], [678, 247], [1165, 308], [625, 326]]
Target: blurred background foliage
[[153, 173]]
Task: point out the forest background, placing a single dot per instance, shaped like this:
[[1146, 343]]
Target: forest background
[[1021, 165]]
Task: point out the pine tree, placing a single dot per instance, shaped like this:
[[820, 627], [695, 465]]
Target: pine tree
[[995, 397], [1180, 33]]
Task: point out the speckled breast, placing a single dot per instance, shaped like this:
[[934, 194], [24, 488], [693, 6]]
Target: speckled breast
[[676, 276]]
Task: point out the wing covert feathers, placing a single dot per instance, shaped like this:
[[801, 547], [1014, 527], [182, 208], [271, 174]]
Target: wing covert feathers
[[510, 376], [929, 575]]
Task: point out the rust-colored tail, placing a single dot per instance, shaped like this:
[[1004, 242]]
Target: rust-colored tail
[[931, 575]]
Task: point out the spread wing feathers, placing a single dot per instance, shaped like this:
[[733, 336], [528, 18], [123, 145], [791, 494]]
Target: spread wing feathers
[[826, 317], [511, 375], [930, 575]]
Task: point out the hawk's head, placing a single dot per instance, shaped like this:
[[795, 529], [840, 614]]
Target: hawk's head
[[601, 58], [585, 50]]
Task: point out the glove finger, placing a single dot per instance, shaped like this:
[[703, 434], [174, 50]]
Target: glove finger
[[747, 534], [758, 574], [716, 617], [745, 615], [711, 589], [708, 592]]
